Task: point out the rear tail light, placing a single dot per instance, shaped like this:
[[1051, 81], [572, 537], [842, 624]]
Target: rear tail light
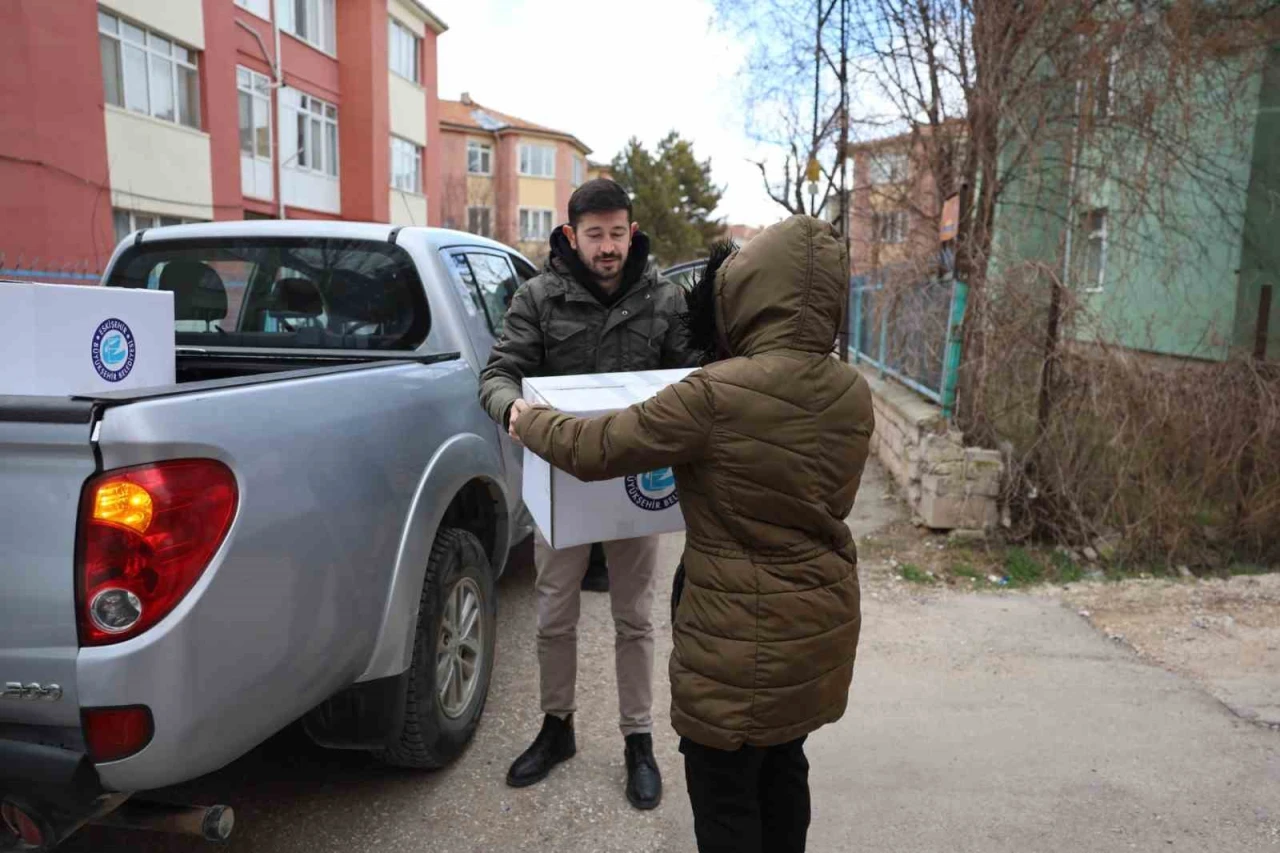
[[115, 733], [146, 536]]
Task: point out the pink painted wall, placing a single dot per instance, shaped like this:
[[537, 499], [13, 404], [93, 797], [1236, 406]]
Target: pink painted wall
[[564, 180], [220, 109], [55, 204], [449, 158], [364, 119], [433, 167], [505, 166]]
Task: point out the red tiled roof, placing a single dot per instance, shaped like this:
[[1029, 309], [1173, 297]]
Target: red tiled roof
[[474, 116]]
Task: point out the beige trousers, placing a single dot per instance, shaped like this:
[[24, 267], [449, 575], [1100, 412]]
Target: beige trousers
[[631, 570]]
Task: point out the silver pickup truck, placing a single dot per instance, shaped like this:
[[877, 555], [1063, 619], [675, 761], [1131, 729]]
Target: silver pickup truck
[[309, 524]]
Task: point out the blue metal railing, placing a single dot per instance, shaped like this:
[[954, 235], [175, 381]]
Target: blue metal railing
[[51, 275], [911, 333]]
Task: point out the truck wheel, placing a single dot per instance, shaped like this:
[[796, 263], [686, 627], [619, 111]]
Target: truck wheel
[[452, 654]]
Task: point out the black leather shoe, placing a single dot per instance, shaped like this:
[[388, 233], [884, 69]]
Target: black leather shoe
[[644, 781], [555, 743], [597, 577]]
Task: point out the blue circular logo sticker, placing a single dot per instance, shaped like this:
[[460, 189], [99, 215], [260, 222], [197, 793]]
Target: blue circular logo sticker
[[654, 491], [113, 351]]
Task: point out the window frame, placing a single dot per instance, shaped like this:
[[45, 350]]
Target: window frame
[[245, 4], [485, 151], [258, 89], [397, 30], [579, 176], [488, 211], [408, 150], [152, 55], [326, 40], [326, 117], [526, 214], [1091, 236], [879, 176], [465, 253], [547, 154], [890, 227], [135, 221]]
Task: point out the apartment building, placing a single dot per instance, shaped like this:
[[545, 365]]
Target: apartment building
[[505, 177], [894, 204], [128, 114]]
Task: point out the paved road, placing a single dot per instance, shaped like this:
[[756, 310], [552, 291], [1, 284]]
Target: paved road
[[984, 723]]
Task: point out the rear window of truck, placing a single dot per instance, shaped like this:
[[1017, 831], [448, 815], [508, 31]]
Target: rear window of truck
[[283, 293]]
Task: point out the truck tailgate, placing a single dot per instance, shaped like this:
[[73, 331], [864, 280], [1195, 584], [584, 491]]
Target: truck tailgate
[[45, 458]]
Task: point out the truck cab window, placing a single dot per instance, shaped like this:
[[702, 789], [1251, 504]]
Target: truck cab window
[[306, 293]]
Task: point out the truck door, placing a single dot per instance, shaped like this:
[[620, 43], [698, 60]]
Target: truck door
[[490, 280]]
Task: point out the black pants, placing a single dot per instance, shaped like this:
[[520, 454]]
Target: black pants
[[753, 800]]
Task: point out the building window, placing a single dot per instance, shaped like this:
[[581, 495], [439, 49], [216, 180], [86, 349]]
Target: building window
[[480, 221], [890, 227], [310, 20], [888, 168], [535, 224], [126, 222], [538, 161], [1091, 261], [255, 113], [479, 158], [148, 73], [317, 124], [405, 49], [406, 165], [261, 8], [579, 170]]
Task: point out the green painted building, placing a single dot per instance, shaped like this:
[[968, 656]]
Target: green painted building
[[1165, 226]]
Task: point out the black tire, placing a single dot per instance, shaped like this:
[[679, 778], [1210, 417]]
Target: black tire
[[430, 737]]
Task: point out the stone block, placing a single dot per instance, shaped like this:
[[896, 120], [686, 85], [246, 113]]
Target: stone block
[[951, 512], [977, 456], [987, 484], [938, 450], [944, 469], [940, 485]]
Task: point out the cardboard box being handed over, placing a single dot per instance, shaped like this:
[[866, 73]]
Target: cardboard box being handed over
[[570, 512]]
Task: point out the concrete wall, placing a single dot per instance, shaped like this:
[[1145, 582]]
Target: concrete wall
[[408, 109], [158, 166], [407, 208], [178, 19], [948, 486]]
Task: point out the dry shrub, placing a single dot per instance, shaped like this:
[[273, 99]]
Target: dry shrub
[[1173, 462]]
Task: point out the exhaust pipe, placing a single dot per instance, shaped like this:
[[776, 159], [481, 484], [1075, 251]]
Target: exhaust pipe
[[212, 823]]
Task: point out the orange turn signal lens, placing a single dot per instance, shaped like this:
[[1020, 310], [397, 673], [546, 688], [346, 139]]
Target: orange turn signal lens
[[125, 504]]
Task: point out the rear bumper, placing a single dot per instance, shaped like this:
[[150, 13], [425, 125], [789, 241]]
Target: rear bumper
[[58, 787]]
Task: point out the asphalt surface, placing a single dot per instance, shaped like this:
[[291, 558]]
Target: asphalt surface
[[978, 722]]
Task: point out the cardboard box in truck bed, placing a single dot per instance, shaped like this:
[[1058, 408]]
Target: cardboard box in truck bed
[[65, 340], [570, 512]]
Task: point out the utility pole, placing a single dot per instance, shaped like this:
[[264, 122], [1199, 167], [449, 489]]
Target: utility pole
[[838, 177], [843, 194]]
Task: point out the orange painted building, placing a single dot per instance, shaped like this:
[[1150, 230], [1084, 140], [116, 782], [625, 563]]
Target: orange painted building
[[505, 177], [896, 208], [126, 114]]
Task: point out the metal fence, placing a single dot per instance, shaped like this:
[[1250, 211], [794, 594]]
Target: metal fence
[[911, 332]]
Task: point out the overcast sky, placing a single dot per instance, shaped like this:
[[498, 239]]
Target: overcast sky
[[606, 70]]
